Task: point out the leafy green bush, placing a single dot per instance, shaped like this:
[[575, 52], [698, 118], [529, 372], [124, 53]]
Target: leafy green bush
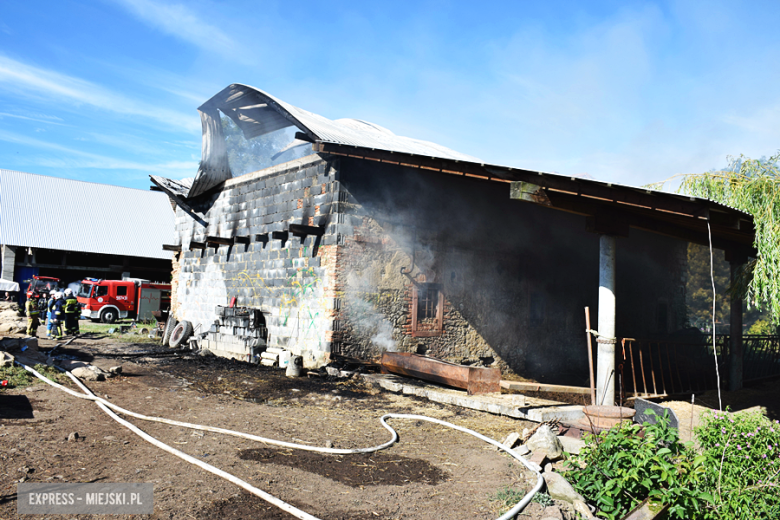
[[732, 474], [621, 467], [742, 464]]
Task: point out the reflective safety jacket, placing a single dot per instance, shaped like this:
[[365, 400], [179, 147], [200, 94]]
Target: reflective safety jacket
[[31, 306], [71, 305], [59, 309]]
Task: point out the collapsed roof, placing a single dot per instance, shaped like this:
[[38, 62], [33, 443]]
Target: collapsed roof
[[258, 113]]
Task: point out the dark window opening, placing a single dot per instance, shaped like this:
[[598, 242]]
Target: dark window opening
[[121, 290], [427, 310]]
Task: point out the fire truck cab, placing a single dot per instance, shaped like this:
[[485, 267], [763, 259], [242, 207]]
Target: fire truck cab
[[109, 300], [42, 285]]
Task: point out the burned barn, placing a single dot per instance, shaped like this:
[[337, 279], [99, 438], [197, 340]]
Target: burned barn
[[366, 241]]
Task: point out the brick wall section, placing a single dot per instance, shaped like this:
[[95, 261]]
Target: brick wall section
[[285, 279], [175, 270]]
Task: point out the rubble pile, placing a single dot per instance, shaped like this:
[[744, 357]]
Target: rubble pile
[[544, 445], [238, 333], [11, 319]]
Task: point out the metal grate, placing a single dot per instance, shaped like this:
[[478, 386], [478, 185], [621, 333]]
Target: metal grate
[[656, 368], [427, 302]]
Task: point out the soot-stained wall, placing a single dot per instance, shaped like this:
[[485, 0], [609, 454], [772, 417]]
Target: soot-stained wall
[[514, 278], [290, 280]]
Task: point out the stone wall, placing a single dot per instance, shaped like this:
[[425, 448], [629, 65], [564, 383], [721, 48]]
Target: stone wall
[[285, 278], [515, 277]]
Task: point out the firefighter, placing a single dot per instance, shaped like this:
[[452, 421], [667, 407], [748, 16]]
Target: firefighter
[[50, 312], [59, 315], [71, 308], [31, 306], [42, 307]]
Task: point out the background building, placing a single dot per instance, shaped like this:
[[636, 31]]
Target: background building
[[71, 229]]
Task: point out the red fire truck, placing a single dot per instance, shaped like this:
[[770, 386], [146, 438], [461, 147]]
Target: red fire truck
[[42, 285], [109, 300]]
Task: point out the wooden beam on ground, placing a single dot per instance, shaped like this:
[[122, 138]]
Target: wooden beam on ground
[[524, 386]]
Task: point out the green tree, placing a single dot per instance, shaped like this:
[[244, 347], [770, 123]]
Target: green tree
[[698, 295], [753, 186], [698, 288]]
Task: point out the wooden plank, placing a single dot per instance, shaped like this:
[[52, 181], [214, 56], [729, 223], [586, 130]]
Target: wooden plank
[[223, 241], [524, 386], [300, 229], [169, 247], [197, 245], [241, 239]]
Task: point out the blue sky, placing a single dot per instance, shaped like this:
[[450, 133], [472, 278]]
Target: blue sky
[[628, 92]]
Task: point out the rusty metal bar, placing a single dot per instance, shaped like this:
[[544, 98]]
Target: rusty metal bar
[[633, 368], [661, 366], [652, 368], [475, 380], [642, 369]]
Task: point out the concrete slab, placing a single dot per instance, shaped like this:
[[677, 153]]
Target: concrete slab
[[530, 409]]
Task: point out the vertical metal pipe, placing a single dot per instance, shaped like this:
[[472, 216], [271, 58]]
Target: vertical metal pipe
[[605, 377]]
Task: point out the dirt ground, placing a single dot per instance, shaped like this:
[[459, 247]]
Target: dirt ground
[[433, 472]]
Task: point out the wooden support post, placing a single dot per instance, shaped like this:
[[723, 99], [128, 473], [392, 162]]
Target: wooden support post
[[736, 356], [590, 357]]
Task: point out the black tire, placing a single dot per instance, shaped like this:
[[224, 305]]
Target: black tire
[[180, 334], [109, 315], [169, 326]]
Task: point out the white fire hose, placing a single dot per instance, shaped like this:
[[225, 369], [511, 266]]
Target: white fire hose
[[107, 407]]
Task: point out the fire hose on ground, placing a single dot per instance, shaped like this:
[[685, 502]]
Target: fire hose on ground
[[109, 408]]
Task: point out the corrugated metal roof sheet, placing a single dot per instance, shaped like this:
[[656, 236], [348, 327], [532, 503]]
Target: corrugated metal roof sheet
[[243, 98], [69, 215], [257, 113]]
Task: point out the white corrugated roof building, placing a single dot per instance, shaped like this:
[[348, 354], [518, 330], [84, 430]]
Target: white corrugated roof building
[[94, 218]]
